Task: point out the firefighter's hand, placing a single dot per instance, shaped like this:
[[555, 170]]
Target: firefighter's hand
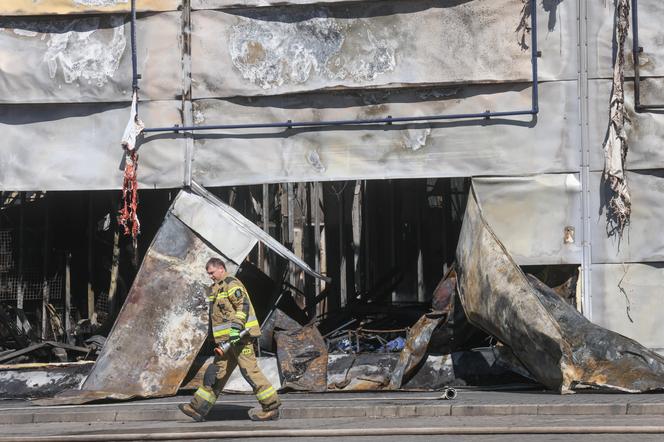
[[234, 336]]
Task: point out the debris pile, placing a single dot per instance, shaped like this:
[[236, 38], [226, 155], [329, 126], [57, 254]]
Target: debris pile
[[488, 324]]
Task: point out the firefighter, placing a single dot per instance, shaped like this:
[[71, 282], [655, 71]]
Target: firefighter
[[230, 313]]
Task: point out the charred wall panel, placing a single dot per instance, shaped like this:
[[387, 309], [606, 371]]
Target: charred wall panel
[[642, 241], [296, 49], [552, 204], [88, 59], [455, 148], [600, 39], [629, 300], [645, 130], [77, 147], [52, 7]]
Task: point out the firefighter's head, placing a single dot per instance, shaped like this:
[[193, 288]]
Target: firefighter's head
[[216, 269]]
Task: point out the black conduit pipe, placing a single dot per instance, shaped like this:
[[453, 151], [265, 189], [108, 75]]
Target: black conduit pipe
[[534, 109]]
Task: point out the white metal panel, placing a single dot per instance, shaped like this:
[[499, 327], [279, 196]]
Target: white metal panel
[[77, 147], [530, 215], [214, 225], [88, 59], [642, 241], [600, 39], [631, 291], [293, 49], [645, 130], [454, 148]]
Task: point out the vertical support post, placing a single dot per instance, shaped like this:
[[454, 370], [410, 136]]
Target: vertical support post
[[290, 226], [315, 203], [68, 338], [115, 269], [420, 194], [45, 285], [343, 274], [187, 111], [91, 235], [356, 216], [582, 12], [21, 259], [265, 216], [392, 229]]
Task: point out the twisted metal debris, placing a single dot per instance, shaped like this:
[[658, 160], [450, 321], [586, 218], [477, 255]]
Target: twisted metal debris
[[619, 205]]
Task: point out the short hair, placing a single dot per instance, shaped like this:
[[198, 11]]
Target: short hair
[[215, 262]]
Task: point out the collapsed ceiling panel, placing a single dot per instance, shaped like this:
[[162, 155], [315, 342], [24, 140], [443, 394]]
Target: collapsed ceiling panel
[[551, 233], [77, 147], [87, 59], [285, 49], [454, 148], [51, 7]]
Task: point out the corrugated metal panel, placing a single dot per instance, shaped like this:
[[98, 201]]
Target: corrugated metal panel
[[77, 147], [88, 59], [50, 7], [551, 202], [643, 240], [600, 41], [637, 287], [283, 50], [645, 130], [455, 148]]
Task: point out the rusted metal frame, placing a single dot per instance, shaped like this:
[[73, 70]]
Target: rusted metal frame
[[636, 51], [67, 313], [91, 237], [289, 124]]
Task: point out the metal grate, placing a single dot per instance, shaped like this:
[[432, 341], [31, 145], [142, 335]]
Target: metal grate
[[31, 285]]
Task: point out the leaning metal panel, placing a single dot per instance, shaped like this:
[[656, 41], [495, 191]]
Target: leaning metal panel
[[88, 58]]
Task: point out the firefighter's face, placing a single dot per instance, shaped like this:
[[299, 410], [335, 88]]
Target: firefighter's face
[[216, 273]]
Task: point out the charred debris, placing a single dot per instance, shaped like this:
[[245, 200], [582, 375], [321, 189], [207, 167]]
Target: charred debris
[[419, 294]]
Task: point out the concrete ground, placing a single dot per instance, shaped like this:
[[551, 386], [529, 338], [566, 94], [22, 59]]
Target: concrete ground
[[335, 411]]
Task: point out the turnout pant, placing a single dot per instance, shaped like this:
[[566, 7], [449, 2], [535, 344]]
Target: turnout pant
[[219, 371]]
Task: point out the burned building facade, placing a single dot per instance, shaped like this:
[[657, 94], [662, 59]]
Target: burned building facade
[[348, 130]]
